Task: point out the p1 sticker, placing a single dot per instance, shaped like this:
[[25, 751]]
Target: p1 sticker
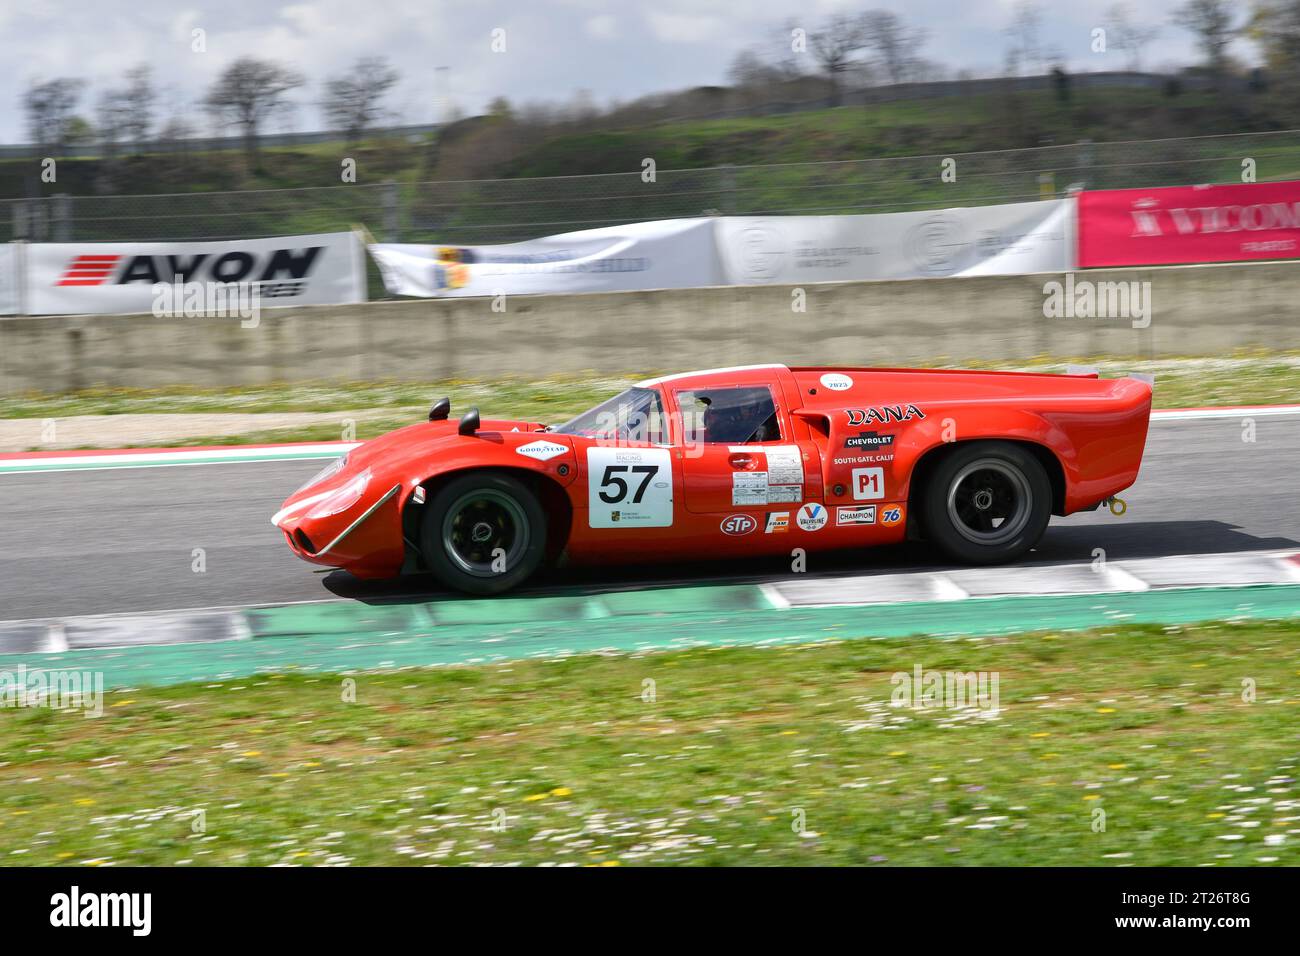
[[891, 515], [629, 486], [812, 517], [868, 484]]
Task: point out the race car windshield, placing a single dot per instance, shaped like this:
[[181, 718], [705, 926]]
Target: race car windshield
[[635, 415]]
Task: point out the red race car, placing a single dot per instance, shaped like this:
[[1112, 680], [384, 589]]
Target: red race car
[[729, 463]]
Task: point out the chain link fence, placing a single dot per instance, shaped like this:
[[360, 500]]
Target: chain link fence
[[507, 210]]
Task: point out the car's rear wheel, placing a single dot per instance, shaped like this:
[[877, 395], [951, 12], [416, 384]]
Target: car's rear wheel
[[483, 533], [987, 502]]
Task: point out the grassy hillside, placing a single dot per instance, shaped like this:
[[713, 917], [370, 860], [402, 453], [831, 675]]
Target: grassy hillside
[[441, 198]]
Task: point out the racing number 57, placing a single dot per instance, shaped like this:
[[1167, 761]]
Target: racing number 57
[[611, 477]]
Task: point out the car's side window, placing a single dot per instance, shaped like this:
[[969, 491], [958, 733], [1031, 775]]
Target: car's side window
[[733, 415]]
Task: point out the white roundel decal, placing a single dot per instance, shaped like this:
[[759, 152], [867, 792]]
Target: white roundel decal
[[836, 382], [811, 517]]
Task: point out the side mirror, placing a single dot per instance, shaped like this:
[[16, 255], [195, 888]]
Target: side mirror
[[440, 409], [469, 422]]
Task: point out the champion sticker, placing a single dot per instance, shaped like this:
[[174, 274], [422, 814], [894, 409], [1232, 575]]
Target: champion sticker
[[852, 515]]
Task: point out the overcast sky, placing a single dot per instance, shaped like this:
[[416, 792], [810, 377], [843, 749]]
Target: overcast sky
[[616, 50]]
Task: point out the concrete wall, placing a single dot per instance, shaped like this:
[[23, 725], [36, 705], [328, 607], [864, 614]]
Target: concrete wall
[[1197, 310]]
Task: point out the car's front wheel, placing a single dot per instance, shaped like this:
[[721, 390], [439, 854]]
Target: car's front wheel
[[987, 502], [483, 533]]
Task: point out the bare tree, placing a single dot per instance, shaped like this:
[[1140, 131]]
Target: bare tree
[[835, 47], [1212, 22], [354, 102], [895, 43], [1129, 36], [138, 98], [109, 121], [1275, 26], [1026, 50], [49, 107], [125, 114], [247, 94]]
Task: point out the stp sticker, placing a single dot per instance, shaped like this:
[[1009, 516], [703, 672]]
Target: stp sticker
[[891, 515], [736, 525], [812, 517], [856, 515], [868, 483], [836, 382], [541, 450]]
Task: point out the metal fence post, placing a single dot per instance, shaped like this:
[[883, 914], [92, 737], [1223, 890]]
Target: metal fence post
[[389, 202], [61, 217], [727, 201]]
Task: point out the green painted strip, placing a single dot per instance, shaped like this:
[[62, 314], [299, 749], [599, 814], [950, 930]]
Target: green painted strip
[[331, 638], [93, 463]]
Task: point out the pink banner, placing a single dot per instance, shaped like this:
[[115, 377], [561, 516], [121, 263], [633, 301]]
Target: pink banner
[[1188, 224]]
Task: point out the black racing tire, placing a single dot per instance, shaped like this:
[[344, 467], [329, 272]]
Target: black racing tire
[[473, 516], [987, 502]]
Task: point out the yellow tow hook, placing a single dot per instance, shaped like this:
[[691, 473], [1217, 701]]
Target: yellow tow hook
[[1117, 505]]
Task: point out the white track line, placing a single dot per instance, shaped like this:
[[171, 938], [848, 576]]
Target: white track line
[[1245, 411]]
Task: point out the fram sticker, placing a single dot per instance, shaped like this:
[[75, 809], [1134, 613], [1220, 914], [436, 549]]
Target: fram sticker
[[777, 522], [882, 414]]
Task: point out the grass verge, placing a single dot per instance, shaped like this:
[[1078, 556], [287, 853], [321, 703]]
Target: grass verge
[[379, 407], [574, 761]]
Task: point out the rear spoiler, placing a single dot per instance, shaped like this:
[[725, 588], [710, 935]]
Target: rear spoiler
[[1088, 371]]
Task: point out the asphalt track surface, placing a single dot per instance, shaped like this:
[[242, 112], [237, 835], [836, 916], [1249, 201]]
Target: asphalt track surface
[[97, 542]]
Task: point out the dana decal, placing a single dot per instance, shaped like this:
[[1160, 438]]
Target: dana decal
[[882, 414], [736, 525]]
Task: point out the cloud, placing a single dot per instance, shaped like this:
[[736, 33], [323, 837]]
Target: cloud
[[555, 47], [603, 27]]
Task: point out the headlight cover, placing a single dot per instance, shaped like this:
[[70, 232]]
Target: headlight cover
[[343, 498], [333, 468]]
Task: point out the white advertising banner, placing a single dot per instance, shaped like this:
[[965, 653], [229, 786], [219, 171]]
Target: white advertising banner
[[8, 278], [1010, 239], [669, 254], [72, 278]]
